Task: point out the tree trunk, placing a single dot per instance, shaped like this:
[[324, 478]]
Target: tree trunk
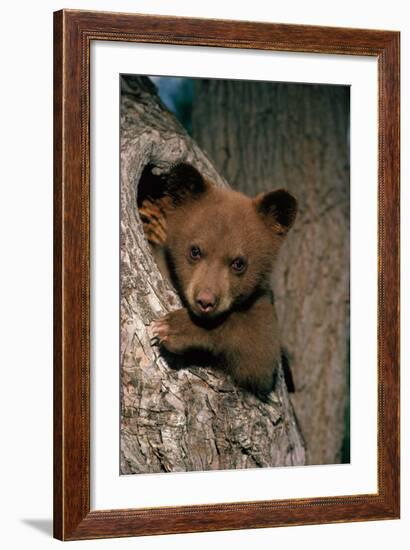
[[268, 135], [189, 418]]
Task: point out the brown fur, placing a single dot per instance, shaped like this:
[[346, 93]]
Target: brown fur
[[228, 304]]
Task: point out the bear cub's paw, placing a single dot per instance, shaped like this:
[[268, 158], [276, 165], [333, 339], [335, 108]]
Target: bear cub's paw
[[172, 331]]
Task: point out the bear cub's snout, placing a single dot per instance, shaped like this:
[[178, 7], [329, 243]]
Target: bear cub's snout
[[206, 301]]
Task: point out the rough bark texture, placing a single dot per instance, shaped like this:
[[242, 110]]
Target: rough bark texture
[[269, 135], [179, 419]]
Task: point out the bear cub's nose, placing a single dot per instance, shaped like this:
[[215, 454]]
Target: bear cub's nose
[[206, 301]]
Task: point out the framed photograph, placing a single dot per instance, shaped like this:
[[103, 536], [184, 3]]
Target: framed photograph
[[226, 275]]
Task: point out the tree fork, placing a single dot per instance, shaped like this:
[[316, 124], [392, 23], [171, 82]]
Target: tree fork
[[191, 418]]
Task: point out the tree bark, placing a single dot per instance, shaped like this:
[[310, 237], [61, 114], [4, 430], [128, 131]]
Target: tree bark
[[267, 135], [179, 419]]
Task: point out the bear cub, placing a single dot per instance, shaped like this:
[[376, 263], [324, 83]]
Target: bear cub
[[220, 250]]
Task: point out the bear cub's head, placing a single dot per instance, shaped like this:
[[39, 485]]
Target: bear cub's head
[[221, 244]]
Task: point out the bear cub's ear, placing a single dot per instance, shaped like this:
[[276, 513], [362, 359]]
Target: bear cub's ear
[[184, 183], [278, 210]]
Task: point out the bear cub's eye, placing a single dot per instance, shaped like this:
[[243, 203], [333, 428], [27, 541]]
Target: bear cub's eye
[[238, 265], [195, 252]]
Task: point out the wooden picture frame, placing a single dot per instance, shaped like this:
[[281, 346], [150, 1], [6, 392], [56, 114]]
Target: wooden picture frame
[[73, 33]]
